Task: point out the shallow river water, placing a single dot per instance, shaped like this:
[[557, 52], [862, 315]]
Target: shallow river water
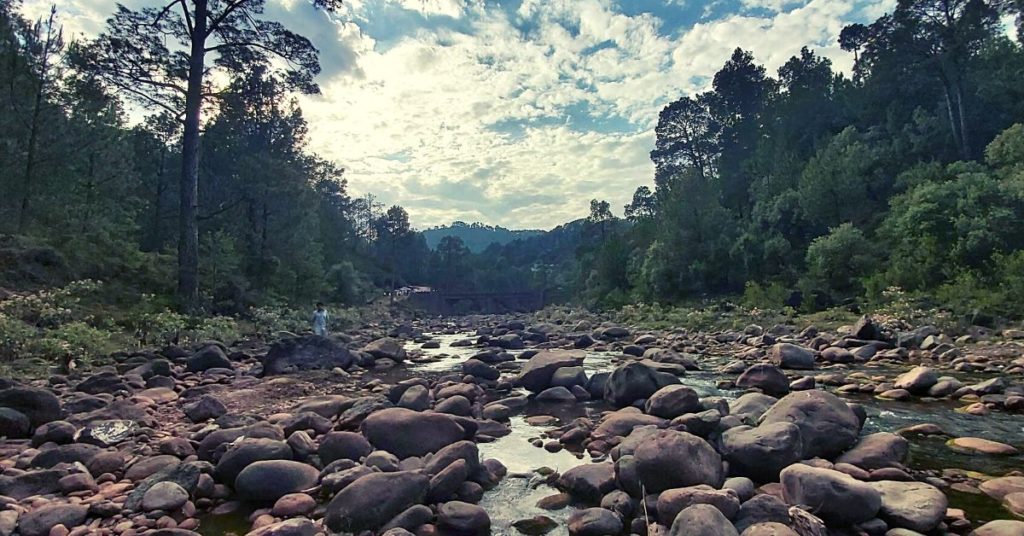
[[516, 496]]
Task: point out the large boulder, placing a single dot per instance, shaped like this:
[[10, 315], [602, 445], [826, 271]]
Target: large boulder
[[702, 520], [343, 446], [751, 406], [589, 481], [673, 501], [208, 357], [594, 522], [917, 380], [479, 369], [264, 482], [210, 447], [866, 330], [791, 356], [13, 424], [911, 505], [622, 422], [39, 405], [306, 353], [761, 453], [406, 433], [837, 498], [204, 408], [32, 483], [671, 459], [71, 453], [538, 371], [827, 425], [39, 522], [877, 451], [633, 381], [102, 382], [672, 401], [387, 348], [463, 519], [374, 499], [246, 452], [185, 475], [768, 378]]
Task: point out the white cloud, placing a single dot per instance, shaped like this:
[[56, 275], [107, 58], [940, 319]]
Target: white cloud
[[486, 118]]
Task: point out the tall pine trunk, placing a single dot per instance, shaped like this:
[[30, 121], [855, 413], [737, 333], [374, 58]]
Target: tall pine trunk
[[188, 237]]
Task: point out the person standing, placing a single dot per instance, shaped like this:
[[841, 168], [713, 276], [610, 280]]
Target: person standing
[[320, 319]]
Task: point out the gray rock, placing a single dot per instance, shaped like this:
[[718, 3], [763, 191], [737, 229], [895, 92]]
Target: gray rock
[[634, 381], [39, 522], [206, 358], [673, 501], [416, 398], [246, 452], [835, 497], [39, 405], [911, 505], [166, 496], [594, 522], [59, 432], [877, 451], [555, 394], [374, 499], [420, 432], [204, 408], [761, 453], [917, 380], [671, 459], [343, 446], [762, 509], [457, 517], [479, 369], [264, 482], [310, 352], [768, 378], [672, 401], [827, 424], [185, 475], [791, 356], [386, 348], [590, 481], [13, 424], [538, 371], [702, 520]]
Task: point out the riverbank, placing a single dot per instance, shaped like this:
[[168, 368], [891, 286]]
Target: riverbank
[[527, 425]]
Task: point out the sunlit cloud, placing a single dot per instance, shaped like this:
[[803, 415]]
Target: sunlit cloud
[[517, 113]]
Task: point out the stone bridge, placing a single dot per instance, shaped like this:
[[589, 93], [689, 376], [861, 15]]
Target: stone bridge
[[452, 302]]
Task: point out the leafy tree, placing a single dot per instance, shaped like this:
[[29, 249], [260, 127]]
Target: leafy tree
[[843, 182], [836, 263], [642, 206], [134, 56], [687, 137], [453, 254]]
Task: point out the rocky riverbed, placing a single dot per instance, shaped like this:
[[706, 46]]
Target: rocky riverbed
[[513, 426]]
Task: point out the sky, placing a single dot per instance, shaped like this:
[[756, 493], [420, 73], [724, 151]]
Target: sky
[[516, 113]]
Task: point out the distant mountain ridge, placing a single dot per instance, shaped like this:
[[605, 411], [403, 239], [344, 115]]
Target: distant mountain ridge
[[476, 236]]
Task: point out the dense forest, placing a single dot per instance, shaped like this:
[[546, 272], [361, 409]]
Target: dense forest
[[814, 189], [807, 187]]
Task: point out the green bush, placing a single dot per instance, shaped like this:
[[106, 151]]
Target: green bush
[[836, 263], [770, 296]]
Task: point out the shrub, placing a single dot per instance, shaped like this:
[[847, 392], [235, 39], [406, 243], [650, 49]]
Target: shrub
[[771, 296]]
